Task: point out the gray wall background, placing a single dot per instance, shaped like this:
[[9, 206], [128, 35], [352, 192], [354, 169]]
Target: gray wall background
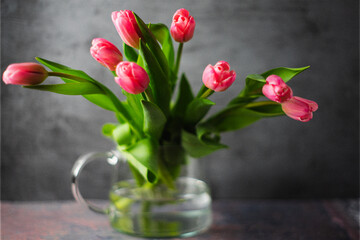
[[44, 133]]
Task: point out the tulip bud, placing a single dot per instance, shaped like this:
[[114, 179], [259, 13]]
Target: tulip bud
[[182, 26], [218, 77], [106, 53], [25, 74], [127, 27], [131, 77], [299, 108], [276, 89]]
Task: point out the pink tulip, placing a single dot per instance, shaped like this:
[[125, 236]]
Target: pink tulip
[[182, 26], [127, 27], [299, 108], [131, 77], [276, 89], [25, 74], [106, 53], [218, 77]]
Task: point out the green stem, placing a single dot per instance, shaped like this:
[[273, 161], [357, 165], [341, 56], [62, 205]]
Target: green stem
[[144, 96], [122, 112], [164, 174], [148, 185], [133, 127], [149, 95], [68, 76], [146, 222], [259, 104], [201, 91], [178, 58], [137, 175], [207, 93]]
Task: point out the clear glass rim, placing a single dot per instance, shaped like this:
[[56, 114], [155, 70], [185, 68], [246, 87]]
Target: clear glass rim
[[186, 188]]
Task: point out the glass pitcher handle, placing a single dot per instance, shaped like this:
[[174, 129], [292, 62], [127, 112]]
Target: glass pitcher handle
[[112, 158]]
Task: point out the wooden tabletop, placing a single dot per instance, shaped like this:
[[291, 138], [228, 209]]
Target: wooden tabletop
[[233, 219]]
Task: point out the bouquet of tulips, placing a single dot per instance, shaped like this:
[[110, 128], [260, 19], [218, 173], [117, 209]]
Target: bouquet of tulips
[[156, 130]]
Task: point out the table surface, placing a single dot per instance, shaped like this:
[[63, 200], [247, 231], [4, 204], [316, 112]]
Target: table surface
[[232, 219]]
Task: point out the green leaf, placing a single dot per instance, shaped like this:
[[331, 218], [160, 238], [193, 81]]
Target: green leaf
[[100, 100], [158, 81], [122, 134], [107, 129], [231, 119], [202, 90], [82, 88], [165, 175], [173, 157], [143, 155], [150, 40], [237, 116], [269, 109], [197, 148], [196, 110], [154, 119], [56, 67], [255, 82], [185, 96], [256, 77], [253, 85], [130, 53], [243, 100], [162, 34], [285, 73], [137, 175], [134, 108], [122, 112], [173, 154], [107, 100], [140, 61]]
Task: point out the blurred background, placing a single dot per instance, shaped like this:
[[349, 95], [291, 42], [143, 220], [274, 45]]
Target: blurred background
[[42, 134]]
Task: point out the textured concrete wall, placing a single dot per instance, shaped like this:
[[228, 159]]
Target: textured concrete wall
[[43, 133]]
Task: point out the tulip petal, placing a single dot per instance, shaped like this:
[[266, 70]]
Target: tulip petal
[[25, 74], [313, 105], [126, 25], [299, 108], [218, 77], [182, 26], [132, 77], [276, 89], [106, 53]]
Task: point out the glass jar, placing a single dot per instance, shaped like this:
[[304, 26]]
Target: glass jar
[[150, 210]]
